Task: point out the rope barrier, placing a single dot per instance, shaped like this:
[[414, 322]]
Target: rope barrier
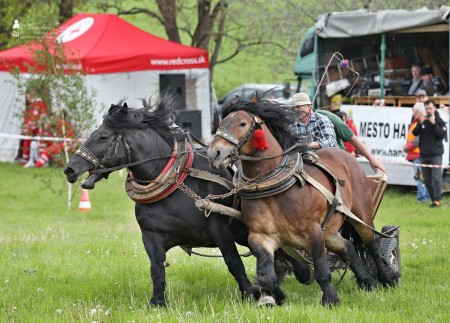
[[8, 135], [406, 163]]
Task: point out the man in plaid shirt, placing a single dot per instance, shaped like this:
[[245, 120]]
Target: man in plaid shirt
[[318, 128]]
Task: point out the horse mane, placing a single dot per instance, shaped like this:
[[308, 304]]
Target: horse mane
[[277, 117], [156, 116]]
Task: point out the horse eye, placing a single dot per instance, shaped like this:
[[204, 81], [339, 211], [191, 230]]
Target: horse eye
[[243, 124], [103, 138]]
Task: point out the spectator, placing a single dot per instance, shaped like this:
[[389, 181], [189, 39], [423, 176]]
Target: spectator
[[421, 96], [34, 109], [413, 152], [376, 102], [431, 84], [61, 129], [39, 146], [431, 130], [416, 79], [318, 128]]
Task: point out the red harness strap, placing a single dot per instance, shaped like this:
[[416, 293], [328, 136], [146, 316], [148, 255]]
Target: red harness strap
[[176, 176]]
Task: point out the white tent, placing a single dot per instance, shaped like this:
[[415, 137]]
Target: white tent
[[119, 60]]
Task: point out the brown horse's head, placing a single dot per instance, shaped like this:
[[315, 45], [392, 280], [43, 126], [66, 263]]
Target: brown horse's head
[[249, 128], [234, 137]]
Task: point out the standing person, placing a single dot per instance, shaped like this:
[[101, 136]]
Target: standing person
[[416, 79], [318, 128], [412, 150], [431, 130]]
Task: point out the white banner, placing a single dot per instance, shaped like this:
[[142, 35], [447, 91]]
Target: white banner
[[384, 130]]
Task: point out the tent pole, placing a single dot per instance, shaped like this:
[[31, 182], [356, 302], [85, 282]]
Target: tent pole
[[382, 64]]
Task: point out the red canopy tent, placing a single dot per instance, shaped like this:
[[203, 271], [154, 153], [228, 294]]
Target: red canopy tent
[[119, 60], [105, 43]]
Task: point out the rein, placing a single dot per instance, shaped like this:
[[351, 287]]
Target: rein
[[226, 134], [86, 154]]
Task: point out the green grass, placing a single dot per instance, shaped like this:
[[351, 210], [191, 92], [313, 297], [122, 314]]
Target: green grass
[[63, 265]]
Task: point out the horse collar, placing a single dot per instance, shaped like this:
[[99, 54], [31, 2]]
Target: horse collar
[[173, 174]]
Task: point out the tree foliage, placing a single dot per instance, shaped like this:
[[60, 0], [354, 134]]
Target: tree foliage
[[59, 83], [228, 28]]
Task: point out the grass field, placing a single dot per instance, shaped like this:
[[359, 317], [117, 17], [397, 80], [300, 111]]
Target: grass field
[[63, 265]]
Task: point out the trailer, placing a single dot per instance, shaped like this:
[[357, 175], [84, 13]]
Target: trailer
[[379, 48]]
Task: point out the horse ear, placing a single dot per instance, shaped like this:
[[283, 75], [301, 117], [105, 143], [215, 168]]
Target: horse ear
[[124, 109]]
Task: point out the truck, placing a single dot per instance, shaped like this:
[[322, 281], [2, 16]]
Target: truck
[[349, 59]]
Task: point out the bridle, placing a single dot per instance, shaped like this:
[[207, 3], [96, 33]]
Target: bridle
[[231, 137], [99, 165]]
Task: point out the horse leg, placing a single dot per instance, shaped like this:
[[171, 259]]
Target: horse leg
[[322, 272], [267, 281], [225, 242], [286, 264], [347, 252], [386, 274], [157, 256]]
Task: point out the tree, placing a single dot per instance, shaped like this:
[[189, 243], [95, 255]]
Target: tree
[[58, 82]]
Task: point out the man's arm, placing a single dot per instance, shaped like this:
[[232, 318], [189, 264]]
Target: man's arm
[[362, 148]]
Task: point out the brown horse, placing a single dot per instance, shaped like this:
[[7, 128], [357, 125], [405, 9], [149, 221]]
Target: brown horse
[[296, 215]]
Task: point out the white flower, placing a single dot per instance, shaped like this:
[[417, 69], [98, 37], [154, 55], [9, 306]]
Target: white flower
[[58, 311], [40, 289], [107, 313], [14, 309], [93, 311]]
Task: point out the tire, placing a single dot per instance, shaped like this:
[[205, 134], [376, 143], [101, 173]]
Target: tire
[[390, 247]]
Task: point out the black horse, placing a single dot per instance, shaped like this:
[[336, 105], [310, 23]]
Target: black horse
[[159, 159]]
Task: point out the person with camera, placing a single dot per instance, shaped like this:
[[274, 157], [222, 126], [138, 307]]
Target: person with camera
[[431, 130], [412, 150]]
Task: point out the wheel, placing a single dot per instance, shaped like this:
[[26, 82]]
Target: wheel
[[390, 247]]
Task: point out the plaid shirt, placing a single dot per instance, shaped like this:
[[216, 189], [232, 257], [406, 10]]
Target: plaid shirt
[[319, 128], [434, 82]]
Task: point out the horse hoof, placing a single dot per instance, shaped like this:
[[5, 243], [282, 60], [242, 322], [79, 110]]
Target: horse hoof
[[157, 303], [266, 300], [330, 300]]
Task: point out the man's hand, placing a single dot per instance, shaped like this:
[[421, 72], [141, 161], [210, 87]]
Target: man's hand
[[376, 164]]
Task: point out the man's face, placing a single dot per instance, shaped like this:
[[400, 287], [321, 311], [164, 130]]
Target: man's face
[[303, 111], [429, 109], [426, 78], [415, 72]]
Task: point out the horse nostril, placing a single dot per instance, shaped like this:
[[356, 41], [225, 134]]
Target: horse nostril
[[68, 170]]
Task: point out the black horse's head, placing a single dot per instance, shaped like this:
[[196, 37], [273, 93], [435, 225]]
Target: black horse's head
[[125, 135]]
